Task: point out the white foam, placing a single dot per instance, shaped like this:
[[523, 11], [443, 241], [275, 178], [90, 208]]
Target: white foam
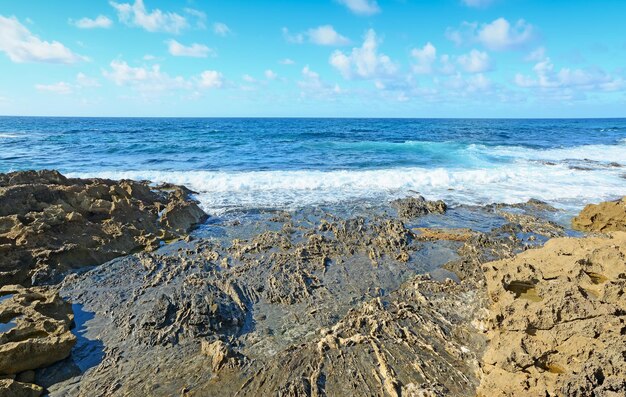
[[287, 189], [8, 135], [602, 153]]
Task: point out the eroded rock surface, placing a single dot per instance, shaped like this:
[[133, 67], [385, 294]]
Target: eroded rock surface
[[413, 207], [34, 333], [50, 224], [413, 342], [603, 217], [557, 320], [307, 303]]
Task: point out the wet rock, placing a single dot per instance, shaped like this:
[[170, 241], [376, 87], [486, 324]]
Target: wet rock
[[399, 345], [557, 319], [604, 217], [50, 224], [413, 207]]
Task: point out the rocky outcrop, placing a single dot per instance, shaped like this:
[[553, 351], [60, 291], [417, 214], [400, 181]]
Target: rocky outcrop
[[557, 320], [34, 333], [603, 217], [413, 207], [50, 224]]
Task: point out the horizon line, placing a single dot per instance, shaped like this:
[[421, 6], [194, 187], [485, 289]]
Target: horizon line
[[317, 117]]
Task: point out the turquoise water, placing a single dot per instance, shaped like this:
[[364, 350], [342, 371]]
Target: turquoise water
[[234, 163]]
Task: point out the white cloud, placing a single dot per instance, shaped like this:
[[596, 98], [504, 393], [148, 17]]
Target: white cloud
[[326, 35], [321, 35], [101, 21], [447, 66], [536, 55], [195, 50], [477, 3], [499, 35], [200, 17], [425, 58], [149, 57], [365, 61], [211, 79], [22, 46], [154, 21], [361, 7], [464, 86], [82, 80], [312, 86], [221, 29], [548, 79], [286, 61], [292, 38], [475, 62], [248, 79], [270, 74], [143, 79], [61, 87]]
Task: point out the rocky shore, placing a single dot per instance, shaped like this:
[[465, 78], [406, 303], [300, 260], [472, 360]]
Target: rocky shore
[[412, 298]]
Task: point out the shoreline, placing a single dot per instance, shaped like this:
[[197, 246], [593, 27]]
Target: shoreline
[[309, 303]]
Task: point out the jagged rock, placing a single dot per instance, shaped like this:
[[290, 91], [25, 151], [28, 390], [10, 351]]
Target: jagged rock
[[413, 207], [603, 217], [50, 224], [383, 347], [221, 355], [36, 334], [12, 388], [557, 320]]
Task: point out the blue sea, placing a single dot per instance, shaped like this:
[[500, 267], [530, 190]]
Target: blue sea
[[288, 163]]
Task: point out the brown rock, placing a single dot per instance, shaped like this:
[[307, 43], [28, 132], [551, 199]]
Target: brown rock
[[12, 388], [557, 320], [413, 207], [430, 234], [39, 332], [50, 224], [604, 217]]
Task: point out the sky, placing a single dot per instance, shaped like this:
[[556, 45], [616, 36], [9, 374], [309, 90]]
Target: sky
[[323, 58]]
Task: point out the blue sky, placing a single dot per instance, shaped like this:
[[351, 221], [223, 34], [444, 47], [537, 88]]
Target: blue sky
[[325, 58]]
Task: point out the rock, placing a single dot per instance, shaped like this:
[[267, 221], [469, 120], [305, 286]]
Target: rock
[[413, 207], [221, 355], [40, 333], [604, 217], [431, 234], [381, 347], [12, 388], [50, 224], [557, 320]]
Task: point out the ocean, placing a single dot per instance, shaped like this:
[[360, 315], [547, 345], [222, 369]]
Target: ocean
[[290, 163]]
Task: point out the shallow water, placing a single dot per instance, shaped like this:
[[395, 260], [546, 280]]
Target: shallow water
[[5, 297], [6, 327], [289, 163]]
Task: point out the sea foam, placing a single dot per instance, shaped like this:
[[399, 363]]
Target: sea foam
[[559, 184]]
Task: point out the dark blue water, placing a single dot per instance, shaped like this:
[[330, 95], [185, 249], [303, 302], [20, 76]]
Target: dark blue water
[[285, 162]]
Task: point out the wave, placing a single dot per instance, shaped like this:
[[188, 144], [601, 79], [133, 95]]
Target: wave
[[599, 153], [8, 135], [218, 191]]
